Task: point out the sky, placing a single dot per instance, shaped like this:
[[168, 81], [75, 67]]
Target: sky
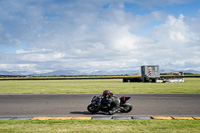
[[99, 35]]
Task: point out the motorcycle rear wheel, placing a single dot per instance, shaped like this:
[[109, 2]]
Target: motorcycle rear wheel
[[92, 108], [127, 107]]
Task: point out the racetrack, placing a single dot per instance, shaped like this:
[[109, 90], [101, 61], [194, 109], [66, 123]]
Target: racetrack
[[76, 105]]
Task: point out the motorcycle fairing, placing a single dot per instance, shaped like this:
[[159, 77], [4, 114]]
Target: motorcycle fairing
[[123, 99]]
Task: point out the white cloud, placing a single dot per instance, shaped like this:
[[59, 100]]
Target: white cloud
[[77, 35], [174, 34], [22, 51], [18, 67], [26, 67], [177, 42], [42, 57]]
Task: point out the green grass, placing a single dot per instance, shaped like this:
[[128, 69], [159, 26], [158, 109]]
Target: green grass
[[104, 126], [191, 85]]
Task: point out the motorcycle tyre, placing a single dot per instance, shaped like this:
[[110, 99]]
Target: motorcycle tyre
[[90, 110], [125, 105]]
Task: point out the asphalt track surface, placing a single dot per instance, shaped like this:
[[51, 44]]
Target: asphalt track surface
[[76, 105]]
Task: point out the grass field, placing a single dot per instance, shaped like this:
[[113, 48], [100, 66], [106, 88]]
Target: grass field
[[191, 85], [104, 126]]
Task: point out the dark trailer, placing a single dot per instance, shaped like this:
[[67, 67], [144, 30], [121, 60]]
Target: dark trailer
[[151, 73]]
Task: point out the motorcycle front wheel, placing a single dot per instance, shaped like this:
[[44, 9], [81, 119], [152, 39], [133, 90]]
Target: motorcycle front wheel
[[126, 107], [92, 108]]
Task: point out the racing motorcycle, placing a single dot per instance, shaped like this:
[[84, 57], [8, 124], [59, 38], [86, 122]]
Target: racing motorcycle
[[98, 103]]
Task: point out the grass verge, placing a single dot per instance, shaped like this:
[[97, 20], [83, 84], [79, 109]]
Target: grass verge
[[53, 126], [191, 85]]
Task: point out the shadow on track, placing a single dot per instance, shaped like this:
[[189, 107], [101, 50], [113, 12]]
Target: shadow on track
[[85, 113]]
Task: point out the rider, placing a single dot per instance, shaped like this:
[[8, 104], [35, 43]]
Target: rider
[[113, 100]]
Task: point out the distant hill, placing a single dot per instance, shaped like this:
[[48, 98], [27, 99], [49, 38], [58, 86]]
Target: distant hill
[[16, 73], [62, 72], [100, 72], [6, 73]]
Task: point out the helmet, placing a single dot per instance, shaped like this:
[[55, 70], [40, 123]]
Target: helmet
[[106, 93]]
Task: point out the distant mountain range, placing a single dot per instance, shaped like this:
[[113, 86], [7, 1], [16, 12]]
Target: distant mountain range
[[176, 71], [68, 72], [76, 72], [15, 73]]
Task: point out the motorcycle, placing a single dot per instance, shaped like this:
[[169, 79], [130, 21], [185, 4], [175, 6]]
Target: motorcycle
[[98, 103]]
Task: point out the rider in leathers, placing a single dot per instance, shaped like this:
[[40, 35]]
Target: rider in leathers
[[113, 102]]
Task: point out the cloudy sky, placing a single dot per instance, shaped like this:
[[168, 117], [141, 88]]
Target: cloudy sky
[[90, 35]]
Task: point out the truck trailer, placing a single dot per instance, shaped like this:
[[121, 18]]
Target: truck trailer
[[151, 73]]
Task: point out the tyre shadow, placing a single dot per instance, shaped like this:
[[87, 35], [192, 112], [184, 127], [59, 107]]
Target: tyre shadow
[[85, 113]]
